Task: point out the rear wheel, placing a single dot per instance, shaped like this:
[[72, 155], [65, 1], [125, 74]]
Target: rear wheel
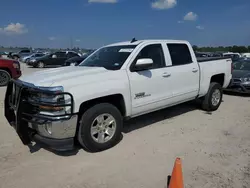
[[213, 98], [100, 127], [4, 77], [40, 64]]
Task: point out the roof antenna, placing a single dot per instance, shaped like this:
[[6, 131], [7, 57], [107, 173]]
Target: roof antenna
[[133, 40]]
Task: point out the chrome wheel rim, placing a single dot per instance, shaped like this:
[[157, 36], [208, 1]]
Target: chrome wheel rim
[[103, 128], [4, 78], [216, 96], [40, 65]]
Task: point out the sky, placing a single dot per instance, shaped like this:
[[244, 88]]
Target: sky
[[94, 23]]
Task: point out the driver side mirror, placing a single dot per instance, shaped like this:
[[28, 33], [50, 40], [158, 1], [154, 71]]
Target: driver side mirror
[[143, 64], [54, 56]]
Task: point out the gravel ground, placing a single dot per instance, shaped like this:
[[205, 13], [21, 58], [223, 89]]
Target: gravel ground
[[214, 147]]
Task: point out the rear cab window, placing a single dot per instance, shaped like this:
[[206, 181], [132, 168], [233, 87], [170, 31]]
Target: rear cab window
[[179, 53]]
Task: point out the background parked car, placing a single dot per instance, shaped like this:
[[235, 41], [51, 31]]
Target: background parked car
[[200, 54], [21, 53], [241, 77], [54, 59], [75, 61], [27, 58], [245, 55], [3, 54], [9, 68], [233, 56]]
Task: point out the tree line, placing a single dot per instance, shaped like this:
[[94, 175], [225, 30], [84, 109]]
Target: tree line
[[239, 49]]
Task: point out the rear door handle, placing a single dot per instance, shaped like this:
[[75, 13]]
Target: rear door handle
[[165, 74], [195, 70]]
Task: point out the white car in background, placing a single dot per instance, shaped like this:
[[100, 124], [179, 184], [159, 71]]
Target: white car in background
[[247, 55]]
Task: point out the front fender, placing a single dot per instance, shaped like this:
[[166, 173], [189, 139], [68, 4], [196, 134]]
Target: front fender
[[83, 93]]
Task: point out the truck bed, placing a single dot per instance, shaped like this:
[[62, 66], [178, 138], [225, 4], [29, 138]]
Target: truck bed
[[214, 66], [205, 59]]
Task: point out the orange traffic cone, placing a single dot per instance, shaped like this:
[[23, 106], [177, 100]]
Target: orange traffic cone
[[176, 179]]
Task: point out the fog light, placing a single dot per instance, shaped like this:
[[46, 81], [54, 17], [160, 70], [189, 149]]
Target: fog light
[[48, 128]]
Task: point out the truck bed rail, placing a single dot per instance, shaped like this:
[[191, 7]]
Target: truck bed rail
[[207, 59]]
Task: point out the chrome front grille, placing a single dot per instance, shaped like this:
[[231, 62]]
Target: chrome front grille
[[14, 98], [25, 100]]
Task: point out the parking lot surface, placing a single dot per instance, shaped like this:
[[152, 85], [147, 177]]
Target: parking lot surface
[[214, 148]]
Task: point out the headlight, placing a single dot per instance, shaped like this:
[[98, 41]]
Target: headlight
[[52, 99], [33, 60], [245, 79]]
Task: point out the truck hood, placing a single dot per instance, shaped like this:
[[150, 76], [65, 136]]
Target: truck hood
[[58, 76], [240, 73]]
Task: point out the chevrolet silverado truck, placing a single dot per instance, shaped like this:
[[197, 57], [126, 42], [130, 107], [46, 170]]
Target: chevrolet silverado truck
[[87, 104]]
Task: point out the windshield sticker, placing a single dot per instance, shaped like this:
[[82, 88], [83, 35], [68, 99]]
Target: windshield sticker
[[128, 50]]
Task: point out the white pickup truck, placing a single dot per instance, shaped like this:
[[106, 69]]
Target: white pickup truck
[[87, 104]]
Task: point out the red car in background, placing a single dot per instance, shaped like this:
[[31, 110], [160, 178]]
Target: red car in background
[[9, 68]]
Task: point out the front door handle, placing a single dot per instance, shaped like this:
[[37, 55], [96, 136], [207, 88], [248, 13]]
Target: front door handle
[[195, 70], [165, 74]]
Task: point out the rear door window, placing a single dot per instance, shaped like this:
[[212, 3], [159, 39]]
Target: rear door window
[[180, 54]]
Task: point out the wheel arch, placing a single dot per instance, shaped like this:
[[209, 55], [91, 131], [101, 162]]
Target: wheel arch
[[115, 99], [218, 78], [7, 70]]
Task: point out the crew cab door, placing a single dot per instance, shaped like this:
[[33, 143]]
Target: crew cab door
[[184, 72], [150, 89]]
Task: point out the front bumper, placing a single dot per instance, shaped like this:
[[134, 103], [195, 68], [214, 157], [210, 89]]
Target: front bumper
[[31, 63], [53, 131], [238, 87], [55, 144]]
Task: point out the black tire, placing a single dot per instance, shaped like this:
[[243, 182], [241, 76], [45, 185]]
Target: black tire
[[40, 64], [206, 103], [84, 132], [4, 77]]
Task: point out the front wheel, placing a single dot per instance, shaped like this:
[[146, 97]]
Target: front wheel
[[100, 127], [40, 64], [4, 77], [213, 98]]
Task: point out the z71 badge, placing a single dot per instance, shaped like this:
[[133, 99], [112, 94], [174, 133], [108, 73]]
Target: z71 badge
[[141, 95]]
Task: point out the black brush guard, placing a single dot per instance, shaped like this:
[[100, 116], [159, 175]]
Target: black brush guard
[[20, 112]]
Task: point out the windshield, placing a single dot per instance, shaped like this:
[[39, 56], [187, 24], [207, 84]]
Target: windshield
[[242, 65], [111, 58]]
